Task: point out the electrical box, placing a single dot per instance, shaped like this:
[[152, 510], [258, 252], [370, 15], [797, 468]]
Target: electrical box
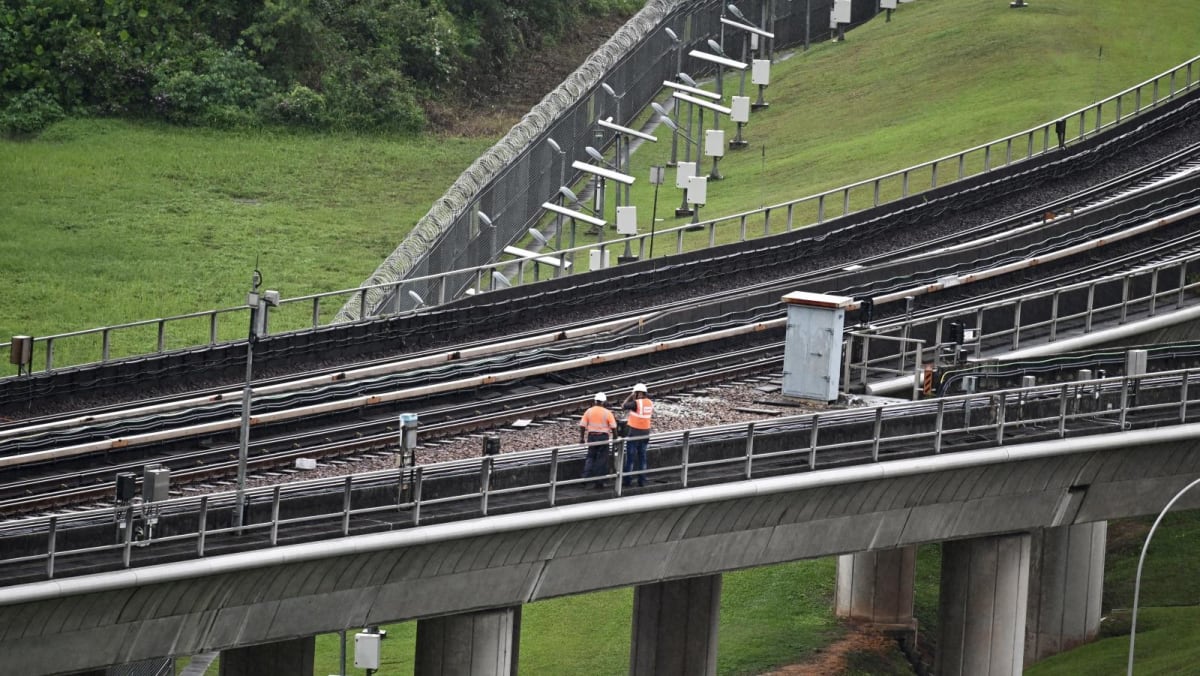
[[714, 142], [491, 444], [21, 351], [684, 171], [760, 72], [741, 109], [697, 190], [156, 483], [597, 259], [126, 486], [887, 4], [1135, 362], [409, 424], [627, 220], [841, 11], [754, 42], [812, 350], [367, 648]]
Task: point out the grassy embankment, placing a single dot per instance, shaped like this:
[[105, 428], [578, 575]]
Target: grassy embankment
[[106, 222]]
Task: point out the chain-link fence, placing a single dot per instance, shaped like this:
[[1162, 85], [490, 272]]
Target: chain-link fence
[[499, 197]]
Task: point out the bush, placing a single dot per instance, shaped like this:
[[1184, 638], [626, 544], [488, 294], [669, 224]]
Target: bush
[[221, 86], [300, 106], [30, 112], [373, 98]]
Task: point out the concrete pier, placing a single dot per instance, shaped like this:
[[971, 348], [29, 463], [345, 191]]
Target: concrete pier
[[985, 587], [282, 657], [484, 643], [1066, 586], [877, 586], [675, 627]]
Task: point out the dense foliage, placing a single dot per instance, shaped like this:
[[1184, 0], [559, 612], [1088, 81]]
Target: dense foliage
[[349, 64]]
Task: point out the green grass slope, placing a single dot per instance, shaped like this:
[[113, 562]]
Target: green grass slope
[[105, 222]]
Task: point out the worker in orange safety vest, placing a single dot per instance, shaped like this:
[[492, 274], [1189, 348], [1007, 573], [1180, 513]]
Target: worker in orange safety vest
[[596, 430], [641, 411]]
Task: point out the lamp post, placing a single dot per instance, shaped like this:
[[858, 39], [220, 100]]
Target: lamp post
[[257, 305], [677, 45], [1137, 581], [562, 173], [613, 93]]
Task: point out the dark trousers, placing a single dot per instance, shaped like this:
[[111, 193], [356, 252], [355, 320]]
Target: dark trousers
[[635, 457], [596, 463]]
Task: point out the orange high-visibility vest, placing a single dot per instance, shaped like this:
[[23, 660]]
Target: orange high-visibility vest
[[598, 420], [639, 418]]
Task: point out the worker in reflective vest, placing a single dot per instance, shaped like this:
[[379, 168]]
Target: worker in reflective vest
[[641, 411], [596, 430]]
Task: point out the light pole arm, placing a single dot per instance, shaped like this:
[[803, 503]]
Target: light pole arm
[[1137, 582]]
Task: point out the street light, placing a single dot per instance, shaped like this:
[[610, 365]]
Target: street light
[[562, 173], [613, 93], [258, 304], [677, 45], [714, 139], [1137, 582], [574, 216]]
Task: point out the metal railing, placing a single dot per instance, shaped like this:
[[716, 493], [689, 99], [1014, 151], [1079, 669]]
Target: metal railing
[[1044, 317], [539, 478], [306, 312]]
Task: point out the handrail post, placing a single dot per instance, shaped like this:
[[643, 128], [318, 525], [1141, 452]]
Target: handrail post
[[1182, 283], [125, 555], [1016, 337], [812, 441], [485, 482], [202, 526], [1183, 398], [938, 427], [1126, 381], [1091, 300], [1054, 316], [418, 483], [1063, 398], [749, 449], [1153, 291], [878, 431], [51, 536], [1001, 414], [683, 459], [275, 516], [553, 475], [619, 470], [346, 506], [1124, 298]]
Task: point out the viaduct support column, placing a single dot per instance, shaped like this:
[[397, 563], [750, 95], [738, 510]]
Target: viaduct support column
[[1066, 584], [483, 643], [985, 585], [675, 627], [877, 586], [282, 657]]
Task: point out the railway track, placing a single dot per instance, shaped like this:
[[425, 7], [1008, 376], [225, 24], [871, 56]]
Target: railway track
[[168, 430]]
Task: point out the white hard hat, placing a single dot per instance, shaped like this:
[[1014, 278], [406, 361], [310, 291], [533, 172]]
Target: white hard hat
[[600, 397], [640, 387]]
